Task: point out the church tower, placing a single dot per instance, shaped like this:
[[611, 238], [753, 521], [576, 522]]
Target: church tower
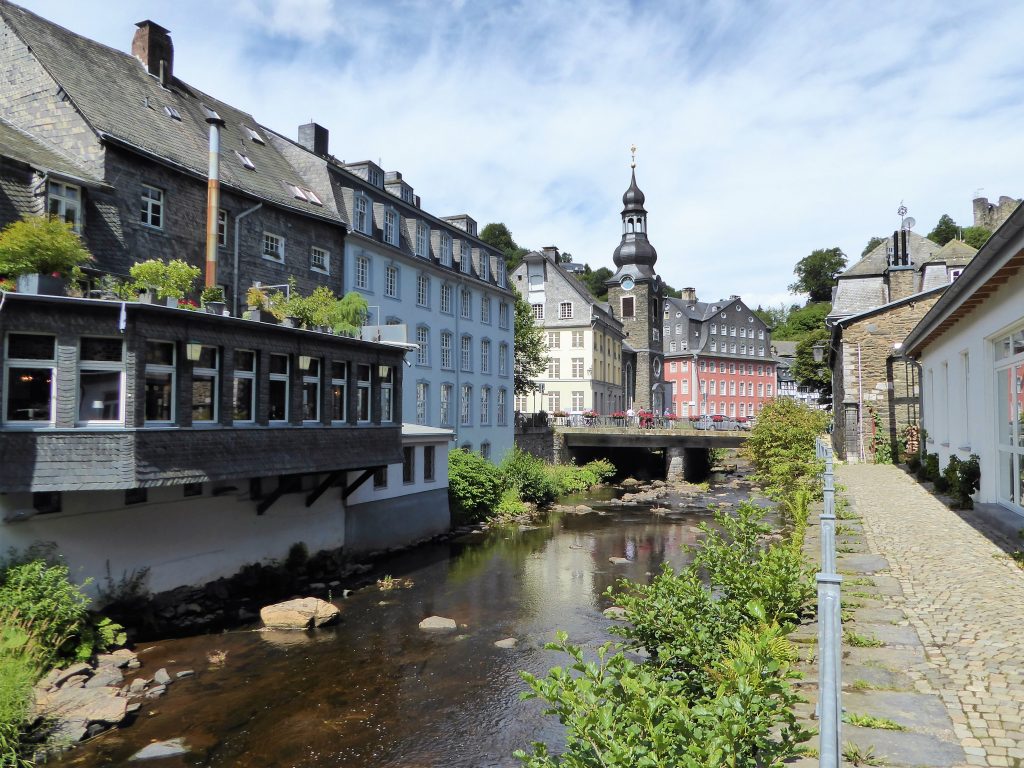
[[635, 296]]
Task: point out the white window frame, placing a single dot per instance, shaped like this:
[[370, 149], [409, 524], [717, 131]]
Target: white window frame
[[466, 304], [422, 290], [501, 405], [387, 396], [364, 389], [447, 296], [286, 378], [466, 405], [538, 311], [446, 249], [241, 374], [163, 370], [565, 310], [391, 221], [273, 244], [100, 366], [577, 367], [503, 359], [502, 274], [485, 310], [362, 214], [485, 406], [313, 380], [446, 351], [422, 401], [152, 207], [485, 356], [391, 277], [339, 390], [485, 266], [222, 228], [320, 260], [423, 345], [503, 315], [63, 199], [466, 353], [361, 279], [446, 404], [422, 240], [33, 363], [465, 257]]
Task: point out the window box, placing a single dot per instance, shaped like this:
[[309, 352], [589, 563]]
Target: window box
[[42, 285], [262, 316]]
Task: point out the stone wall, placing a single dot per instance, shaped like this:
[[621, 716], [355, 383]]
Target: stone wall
[[992, 215], [537, 441]]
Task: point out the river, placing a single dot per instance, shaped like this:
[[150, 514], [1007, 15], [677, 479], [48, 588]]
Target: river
[[374, 689]]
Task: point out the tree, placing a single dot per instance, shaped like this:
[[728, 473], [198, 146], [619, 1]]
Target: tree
[[809, 373], [594, 281], [773, 317], [945, 230], [565, 257], [873, 243], [42, 244], [817, 272], [497, 235], [531, 355], [801, 321], [976, 236]]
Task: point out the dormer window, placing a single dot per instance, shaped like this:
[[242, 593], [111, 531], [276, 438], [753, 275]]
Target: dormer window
[[446, 249], [361, 217], [422, 239], [485, 266], [376, 177], [244, 160], [64, 201], [311, 196], [173, 113], [252, 134], [391, 227], [465, 257]]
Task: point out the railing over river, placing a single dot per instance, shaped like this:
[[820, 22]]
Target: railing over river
[[637, 421], [830, 631]]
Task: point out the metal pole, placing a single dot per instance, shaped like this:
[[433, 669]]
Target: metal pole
[[860, 403], [829, 670]]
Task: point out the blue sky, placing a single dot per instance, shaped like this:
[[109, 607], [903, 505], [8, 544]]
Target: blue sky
[[765, 129]]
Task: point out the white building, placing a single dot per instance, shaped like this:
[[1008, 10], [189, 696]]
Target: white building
[[970, 347]]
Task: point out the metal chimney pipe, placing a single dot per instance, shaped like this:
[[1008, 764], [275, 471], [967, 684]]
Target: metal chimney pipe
[[213, 201]]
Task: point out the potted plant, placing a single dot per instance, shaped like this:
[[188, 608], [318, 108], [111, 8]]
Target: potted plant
[[212, 299], [166, 282], [41, 253], [259, 305]]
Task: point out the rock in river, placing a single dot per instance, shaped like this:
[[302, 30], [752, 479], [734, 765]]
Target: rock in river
[[299, 614], [618, 560], [508, 642], [438, 622]]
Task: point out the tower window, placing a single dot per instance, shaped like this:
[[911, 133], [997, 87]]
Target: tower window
[[627, 307]]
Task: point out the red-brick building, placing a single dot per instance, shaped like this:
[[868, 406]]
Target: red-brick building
[[718, 357]]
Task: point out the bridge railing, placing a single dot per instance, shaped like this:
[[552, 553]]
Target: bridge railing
[[830, 632], [648, 422]]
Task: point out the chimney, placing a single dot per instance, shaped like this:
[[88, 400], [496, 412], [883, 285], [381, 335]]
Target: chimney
[[153, 47], [313, 137], [551, 253], [689, 294]]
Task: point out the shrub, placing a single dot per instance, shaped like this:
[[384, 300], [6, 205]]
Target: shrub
[[17, 676], [781, 447], [474, 486], [528, 477], [41, 244], [170, 279], [211, 293], [969, 481], [509, 508]]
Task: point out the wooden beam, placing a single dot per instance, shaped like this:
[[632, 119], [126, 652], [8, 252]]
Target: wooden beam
[[330, 480], [350, 489], [283, 484]]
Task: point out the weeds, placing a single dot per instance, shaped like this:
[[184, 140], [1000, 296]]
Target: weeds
[[860, 581], [856, 756], [870, 721], [857, 640]]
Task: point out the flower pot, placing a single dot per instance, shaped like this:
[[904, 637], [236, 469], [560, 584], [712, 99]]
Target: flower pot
[[150, 297], [42, 285], [290, 322], [216, 307], [262, 316]]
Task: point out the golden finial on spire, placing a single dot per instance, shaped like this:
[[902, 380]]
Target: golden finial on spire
[[632, 152]]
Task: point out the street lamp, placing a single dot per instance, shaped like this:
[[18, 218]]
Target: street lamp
[[818, 350]]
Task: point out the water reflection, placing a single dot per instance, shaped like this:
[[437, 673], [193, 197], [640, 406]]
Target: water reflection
[[377, 691]]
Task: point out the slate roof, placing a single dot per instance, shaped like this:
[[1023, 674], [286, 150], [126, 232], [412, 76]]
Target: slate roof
[[21, 146], [876, 261], [124, 104], [954, 253]]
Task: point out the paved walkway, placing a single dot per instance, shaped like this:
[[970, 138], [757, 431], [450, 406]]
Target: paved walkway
[[961, 595]]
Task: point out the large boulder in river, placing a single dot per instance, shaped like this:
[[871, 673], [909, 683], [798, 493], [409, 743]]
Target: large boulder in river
[[438, 622], [302, 613]]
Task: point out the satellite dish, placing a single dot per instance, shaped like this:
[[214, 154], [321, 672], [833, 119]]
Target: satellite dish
[[908, 223]]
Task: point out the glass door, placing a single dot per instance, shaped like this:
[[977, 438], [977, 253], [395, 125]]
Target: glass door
[[1010, 419]]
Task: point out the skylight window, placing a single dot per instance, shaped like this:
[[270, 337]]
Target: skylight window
[[311, 196], [253, 134], [297, 193], [211, 114], [173, 113], [246, 161]]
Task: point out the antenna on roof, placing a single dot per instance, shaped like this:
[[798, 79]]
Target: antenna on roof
[[908, 223]]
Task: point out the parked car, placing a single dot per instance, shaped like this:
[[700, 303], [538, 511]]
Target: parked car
[[727, 425], [704, 422]]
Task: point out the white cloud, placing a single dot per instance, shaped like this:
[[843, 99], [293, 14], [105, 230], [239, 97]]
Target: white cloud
[[764, 131]]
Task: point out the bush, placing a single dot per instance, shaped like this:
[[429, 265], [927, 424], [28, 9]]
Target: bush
[[17, 676], [969, 481], [41, 244], [509, 508], [930, 466], [170, 279], [528, 477], [474, 486], [781, 447]]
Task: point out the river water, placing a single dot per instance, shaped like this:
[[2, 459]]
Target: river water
[[374, 689]]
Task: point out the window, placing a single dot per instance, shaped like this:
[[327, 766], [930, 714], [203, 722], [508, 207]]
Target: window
[[713, 384], [501, 407], [339, 371], [684, 388], [713, 346], [362, 273], [159, 382], [743, 388], [446, 249], [465, 257], [713, 366], [387, 384], [732, 330], [422, 291], [100, 380], [485, 405], [408, 464], [768, 390], [362, 218], [703, 366], [428, 463], [554, 368], [64, 202], [485, 356], [565, 310], [31, 375], [422, 239], [152, 212], [466, 304], [485, 266], [577, 367], [422, 398], [376, 177], [311, 391], [391, 281], [503, 315], [446, 351], [380, 478], [243, 395], [205, 379], [672, 366], [245, 160], [391, 227], [538, 311], [446, 399], [554, 339], [319, 260], [503, 359], [485, 309], [253, 134], [760, 334], [732, 387], [577, 339], [627, 306], [465, 405], [279, 369], [501, 271], [665, 330], [466, 360], [577, 400], [446, 298], [554, 402], [172, 112], [363, 411], [485, 449], [222, 228], [672, 346], [273, 247], [423, 342]]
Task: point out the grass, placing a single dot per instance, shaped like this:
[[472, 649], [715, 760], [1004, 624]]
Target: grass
[[17, 675], [842, 513], [845, 550], [857, 640], [870, 721], [1018, 557], [861, 594], [845, 530], [845, 616], [856, 756], [860, 581]]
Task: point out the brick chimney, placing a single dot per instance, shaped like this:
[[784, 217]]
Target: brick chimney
[[688, 294], [314, 137], [153, 47]]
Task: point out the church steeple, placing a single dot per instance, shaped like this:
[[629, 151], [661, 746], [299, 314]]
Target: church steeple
[[635, 255]]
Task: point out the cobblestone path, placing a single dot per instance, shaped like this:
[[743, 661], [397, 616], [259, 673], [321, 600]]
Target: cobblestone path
[[964, 598]]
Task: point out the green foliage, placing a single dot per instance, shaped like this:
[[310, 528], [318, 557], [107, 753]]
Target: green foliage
[[474, 486], [857, 757], [298, 556], [595, 281], [945, 230], [872, 243], [800, 321], [528, 477], [17, 676], [41, 244], [806, 370], [880, 447], [857, 640], [170, 279], [211, 293], [498, 236], [569, 478], [969, 481], [531, 357], [816, 273], [781, 448], [870, 721], [930, 467], [976, 236], [510, 508]]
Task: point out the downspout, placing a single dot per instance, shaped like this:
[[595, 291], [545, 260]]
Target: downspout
[[212, 198], [860, 403], [238, 221]]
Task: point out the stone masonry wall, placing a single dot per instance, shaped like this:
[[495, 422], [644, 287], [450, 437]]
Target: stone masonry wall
[[537, 441]]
